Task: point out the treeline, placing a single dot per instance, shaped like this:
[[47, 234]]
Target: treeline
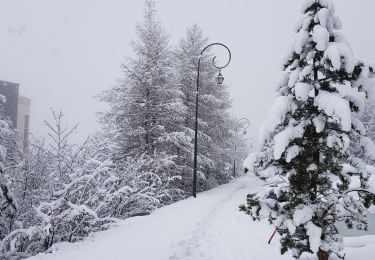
[[141, 159]]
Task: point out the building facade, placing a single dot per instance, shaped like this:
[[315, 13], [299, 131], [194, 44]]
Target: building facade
[[17, 110], [10, 108], [23, 120]]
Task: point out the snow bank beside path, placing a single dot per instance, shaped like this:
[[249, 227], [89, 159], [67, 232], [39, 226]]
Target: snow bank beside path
[[209, 227], [359, 248]]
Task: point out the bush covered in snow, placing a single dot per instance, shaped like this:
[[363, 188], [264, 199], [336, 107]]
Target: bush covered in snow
[[8, 203], [64, 192]]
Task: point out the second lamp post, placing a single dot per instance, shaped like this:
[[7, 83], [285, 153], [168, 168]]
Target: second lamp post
[[243, 123], [219, 81]]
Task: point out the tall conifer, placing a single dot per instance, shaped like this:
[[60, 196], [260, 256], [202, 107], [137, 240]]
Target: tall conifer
[[307, 138]]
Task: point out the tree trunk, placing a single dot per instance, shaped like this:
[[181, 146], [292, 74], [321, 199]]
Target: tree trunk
[[322, 255]]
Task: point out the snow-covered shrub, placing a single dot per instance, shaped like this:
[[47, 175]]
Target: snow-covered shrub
[[22, 243], [32, 180], [137, 186], [8, 203], [63, 220], [99, 193]]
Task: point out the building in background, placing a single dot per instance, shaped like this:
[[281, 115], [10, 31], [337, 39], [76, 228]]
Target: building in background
[[23, 120], [10, 108], [17, 109]]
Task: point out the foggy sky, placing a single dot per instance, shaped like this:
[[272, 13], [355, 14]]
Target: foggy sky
[[64, 52]]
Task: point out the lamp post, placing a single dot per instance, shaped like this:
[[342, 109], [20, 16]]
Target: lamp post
[[246, 125], [219, 81]]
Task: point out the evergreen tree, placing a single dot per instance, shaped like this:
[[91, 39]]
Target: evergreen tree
[[186, 55], [307, 137], [215, 124], [146, 109]]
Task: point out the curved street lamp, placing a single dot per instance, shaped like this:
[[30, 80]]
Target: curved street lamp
[[219, 81], [246, 124]]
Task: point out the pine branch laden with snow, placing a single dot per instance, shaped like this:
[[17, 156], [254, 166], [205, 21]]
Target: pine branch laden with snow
[[307, 139]]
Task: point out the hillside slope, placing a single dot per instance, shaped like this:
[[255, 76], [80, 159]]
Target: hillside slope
[[208, 227]]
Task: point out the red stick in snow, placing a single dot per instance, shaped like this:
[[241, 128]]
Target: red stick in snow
[[273, 234]]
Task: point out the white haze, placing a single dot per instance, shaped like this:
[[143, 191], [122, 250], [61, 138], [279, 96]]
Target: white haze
[[65, 52]]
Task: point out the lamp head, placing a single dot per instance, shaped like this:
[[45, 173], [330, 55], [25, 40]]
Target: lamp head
[[219, 78]]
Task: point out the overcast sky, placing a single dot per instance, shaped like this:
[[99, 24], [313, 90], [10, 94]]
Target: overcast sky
[[64, 52]]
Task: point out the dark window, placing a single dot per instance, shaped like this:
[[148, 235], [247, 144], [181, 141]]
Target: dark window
[[26, 132]]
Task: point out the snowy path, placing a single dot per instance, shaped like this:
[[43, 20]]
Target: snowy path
[[208, 228]]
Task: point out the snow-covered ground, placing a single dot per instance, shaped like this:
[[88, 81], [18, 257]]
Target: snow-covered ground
[[208, 227]]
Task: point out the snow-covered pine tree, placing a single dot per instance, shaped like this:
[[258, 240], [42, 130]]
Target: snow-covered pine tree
[[146, 110], [307, 137], [185, 64], [214, 123]]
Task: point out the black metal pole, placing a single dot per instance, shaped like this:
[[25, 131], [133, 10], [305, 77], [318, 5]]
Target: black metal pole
[[196, 110], [196, 133], [235, 151], [235, 145], [234, 162]]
